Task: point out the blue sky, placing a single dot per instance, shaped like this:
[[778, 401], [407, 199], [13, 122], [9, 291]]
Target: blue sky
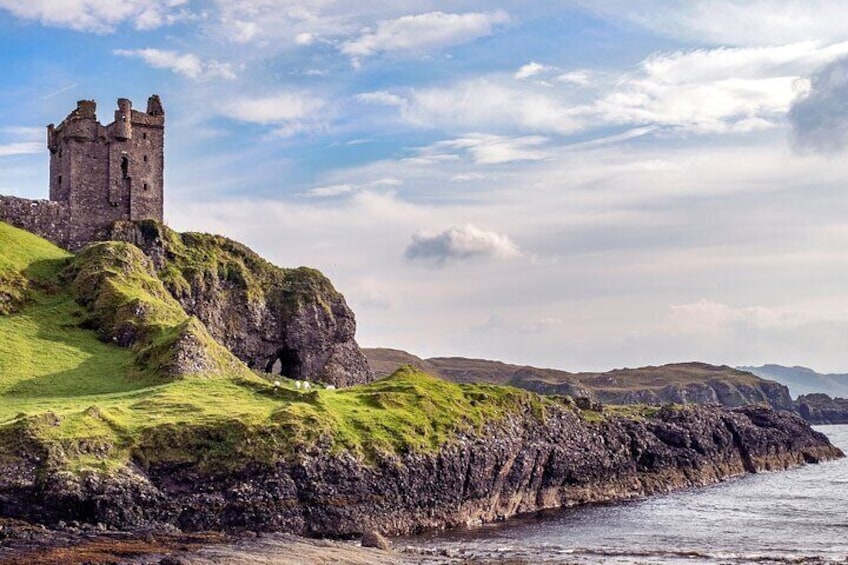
[[577, 184]]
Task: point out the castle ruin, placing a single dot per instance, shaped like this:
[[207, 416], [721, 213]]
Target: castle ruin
[[98, 175]]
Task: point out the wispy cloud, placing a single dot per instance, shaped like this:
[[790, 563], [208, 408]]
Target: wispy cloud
[[96, 15], [421, 33], [487, 149], [20, 148], [732, 22], [186, 64], [381, 97], [721, 90], [331, 190], [532, 69], [288, 113]]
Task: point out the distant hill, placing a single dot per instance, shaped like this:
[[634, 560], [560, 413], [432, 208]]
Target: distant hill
[[802, 380], [679, 382]]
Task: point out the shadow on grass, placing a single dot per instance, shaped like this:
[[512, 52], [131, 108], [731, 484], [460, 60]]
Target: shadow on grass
[[90, 367]]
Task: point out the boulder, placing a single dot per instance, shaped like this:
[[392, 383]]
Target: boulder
[[372, 538]]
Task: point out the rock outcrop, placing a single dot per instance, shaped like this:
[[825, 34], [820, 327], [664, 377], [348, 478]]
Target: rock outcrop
[[822, 409], [524, 463], [287, 321]]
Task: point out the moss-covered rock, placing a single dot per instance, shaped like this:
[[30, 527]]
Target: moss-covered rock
[[287, 321], [128, 305]]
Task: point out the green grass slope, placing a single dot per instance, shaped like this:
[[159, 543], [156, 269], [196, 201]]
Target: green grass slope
[[99, 365], [192, 260]]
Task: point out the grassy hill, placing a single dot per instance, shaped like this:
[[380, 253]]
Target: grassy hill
[[99, 365]]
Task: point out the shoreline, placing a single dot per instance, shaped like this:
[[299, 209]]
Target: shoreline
[[27, 544]]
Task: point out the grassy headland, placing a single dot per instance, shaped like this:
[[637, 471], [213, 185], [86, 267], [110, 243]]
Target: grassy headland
[[99, 365]]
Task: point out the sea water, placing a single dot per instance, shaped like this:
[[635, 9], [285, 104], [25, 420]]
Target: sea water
[[795, 516]]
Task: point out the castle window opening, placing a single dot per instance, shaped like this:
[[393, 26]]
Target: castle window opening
[[144, 135], [125, 167], [145, 186], [60, 180], [145, 158]]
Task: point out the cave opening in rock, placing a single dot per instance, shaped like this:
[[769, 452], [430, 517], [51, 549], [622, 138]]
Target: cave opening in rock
[[286, 363]]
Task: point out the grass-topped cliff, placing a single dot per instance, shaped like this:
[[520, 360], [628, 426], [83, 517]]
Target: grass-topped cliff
[[286, 320], [100, 365], [120, 405]]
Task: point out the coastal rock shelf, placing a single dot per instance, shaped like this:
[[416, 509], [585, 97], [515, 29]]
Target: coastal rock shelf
[[521, 464]]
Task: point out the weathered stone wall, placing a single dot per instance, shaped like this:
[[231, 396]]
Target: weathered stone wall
[[103, 174], [48, 219], [146, 167]]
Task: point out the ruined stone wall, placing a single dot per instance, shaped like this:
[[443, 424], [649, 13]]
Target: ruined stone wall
[[105, 174], [136, 164], [48, 219], [91, 207]]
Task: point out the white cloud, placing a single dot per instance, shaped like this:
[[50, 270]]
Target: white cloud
[[531, 69], [342, 189], [461, 243], [304, 39], [487, 149], [579, 78], [714, 90], [488, 104], [381, 97], [101, 16], [244, 32], [24, 132], [386, 181], [331, 190], [289, 113], [186, 64], [468, 177], [723, 90], [21, 148], [706, 316], [421, 33]]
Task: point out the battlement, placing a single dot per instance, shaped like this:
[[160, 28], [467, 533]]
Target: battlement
[[98, 174]]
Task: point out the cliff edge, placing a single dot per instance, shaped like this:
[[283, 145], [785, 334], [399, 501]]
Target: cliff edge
[[284, 321]]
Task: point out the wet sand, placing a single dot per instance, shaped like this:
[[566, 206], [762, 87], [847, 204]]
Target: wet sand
[[26, 544]]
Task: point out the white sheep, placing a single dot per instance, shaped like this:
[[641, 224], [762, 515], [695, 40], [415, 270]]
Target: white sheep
[[298, 384], [276, 384], [306, 385], [331, 387]]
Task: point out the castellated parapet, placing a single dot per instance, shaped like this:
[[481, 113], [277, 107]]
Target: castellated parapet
[[98, 175]]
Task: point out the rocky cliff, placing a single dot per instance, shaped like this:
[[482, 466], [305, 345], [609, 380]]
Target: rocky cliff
[[119, 408], [528, 460], [287, 321], [822, 409]]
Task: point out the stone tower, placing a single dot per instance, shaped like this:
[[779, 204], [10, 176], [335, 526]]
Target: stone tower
[[102, 174]]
